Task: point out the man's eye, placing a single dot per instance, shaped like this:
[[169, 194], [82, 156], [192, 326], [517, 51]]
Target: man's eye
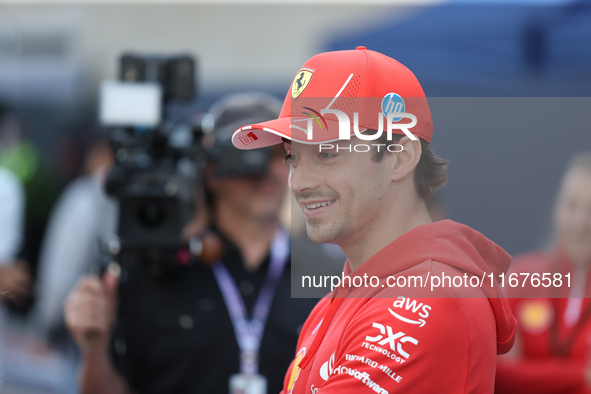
[[290, 159]]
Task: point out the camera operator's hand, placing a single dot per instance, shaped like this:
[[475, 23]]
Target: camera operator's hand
[[90, 315], [90, 311]]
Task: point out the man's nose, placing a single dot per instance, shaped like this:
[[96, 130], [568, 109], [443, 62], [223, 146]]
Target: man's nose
[[303, 178]]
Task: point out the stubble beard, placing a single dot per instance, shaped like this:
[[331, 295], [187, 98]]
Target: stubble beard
[[325, 229], [321, 231]]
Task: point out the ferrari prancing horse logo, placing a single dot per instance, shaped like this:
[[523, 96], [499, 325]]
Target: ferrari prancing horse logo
[[300, 82]]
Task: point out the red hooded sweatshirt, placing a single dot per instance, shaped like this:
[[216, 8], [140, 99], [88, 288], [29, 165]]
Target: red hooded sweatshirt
[[410, 340]]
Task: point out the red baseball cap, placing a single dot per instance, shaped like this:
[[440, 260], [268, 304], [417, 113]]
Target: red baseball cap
[[370, 88]]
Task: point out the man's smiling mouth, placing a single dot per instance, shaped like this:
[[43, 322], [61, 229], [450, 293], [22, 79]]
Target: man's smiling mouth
[[319, 205]]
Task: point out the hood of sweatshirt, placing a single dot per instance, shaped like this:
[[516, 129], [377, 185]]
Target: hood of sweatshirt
[[455, 245]]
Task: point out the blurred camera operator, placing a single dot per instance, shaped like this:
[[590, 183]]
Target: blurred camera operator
[[195, 329]]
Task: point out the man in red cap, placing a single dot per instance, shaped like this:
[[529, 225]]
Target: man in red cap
[[418, 308]]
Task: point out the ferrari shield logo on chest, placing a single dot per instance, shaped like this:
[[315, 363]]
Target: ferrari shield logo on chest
[[301, 82]]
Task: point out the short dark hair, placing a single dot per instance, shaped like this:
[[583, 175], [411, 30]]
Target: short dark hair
[[431, 171]]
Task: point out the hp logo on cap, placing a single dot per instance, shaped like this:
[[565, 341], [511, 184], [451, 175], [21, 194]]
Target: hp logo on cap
[[392, 103]]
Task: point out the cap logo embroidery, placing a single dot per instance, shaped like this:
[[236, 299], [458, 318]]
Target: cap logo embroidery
[[392, 103], [301, 82], [248, 138]]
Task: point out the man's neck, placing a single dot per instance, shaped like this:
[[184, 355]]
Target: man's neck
[[252, 237], [385, 229]]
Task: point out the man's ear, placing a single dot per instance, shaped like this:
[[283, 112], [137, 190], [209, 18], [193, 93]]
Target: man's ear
[[407, 158]]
